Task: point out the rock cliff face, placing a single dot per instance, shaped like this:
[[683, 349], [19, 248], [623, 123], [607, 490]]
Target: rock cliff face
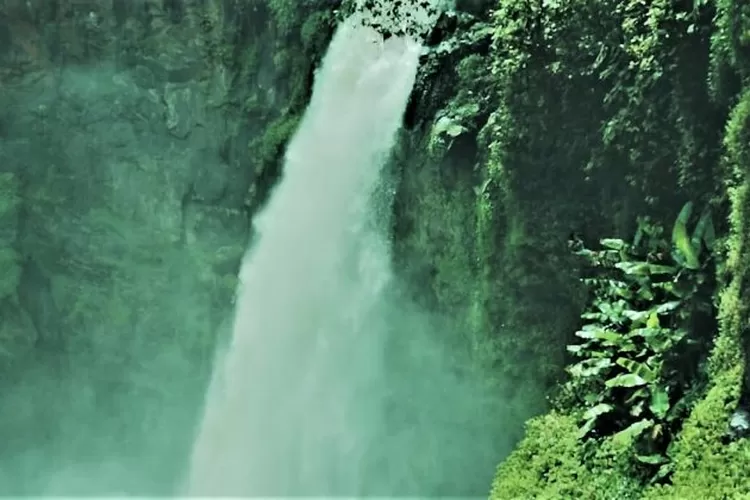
[[136, 139], [609, 112], [542, 124]]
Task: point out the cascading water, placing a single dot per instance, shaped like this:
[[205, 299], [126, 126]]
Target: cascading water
[[332, 385], [296, 404]]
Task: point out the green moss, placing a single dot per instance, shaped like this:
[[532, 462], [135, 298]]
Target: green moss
[[526, 213], [299, 33], [484, 221], [314, 30], [704, 466], [434, 227], [644, 145], [649, 140], [730, 42], [522, 474], [550, 464], [286, 15], [266, 149], [734, 312], [295, 19]]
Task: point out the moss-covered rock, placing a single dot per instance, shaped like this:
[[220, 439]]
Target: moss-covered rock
[[706, 466], [564, 469], [705, 463]]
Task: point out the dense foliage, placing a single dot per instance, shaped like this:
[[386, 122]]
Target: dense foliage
[[609, 111], [643, 335]]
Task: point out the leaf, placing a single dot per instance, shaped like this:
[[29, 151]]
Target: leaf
[[644, 268], [659, 269], [636, 316], [587, 427], [607, 337], [574, 349], [679, 289], [637, 394], [589, 367], [665, 470], [585, 252], [637, 409], [631, 432], [668, 307], [619, 289], [643, 371], [454, 130], [645, 293], [703, 232], [593, 398], [597, 410], [656, 431], [659, 402], [677, 334], [646, 332], [681, 240], [593, 315], [446, 125], [709, 235], [625, 380], [639, 232], [665, 338], [653, 320], [651, 459], [468, 110], [614, 243], [612, 311], [633, 267]]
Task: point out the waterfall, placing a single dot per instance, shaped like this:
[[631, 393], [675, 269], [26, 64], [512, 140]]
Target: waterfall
[[297, 403]]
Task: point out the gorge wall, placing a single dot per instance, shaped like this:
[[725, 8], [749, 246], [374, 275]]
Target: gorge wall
[[137, 138], [543, 125]]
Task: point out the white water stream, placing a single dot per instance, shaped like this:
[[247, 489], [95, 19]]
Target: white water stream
[[296, 406]]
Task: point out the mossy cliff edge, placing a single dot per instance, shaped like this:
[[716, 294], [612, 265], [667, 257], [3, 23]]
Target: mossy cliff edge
[[575, 119], [538, 124]]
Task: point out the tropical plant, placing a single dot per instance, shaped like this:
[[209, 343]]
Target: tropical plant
[[636, 369]]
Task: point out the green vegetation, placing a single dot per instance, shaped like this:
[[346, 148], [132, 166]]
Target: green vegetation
[[602, 119], [598, 118], [632, 375], [290, 49], [610, 116], [564, 469], [637, 374]]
